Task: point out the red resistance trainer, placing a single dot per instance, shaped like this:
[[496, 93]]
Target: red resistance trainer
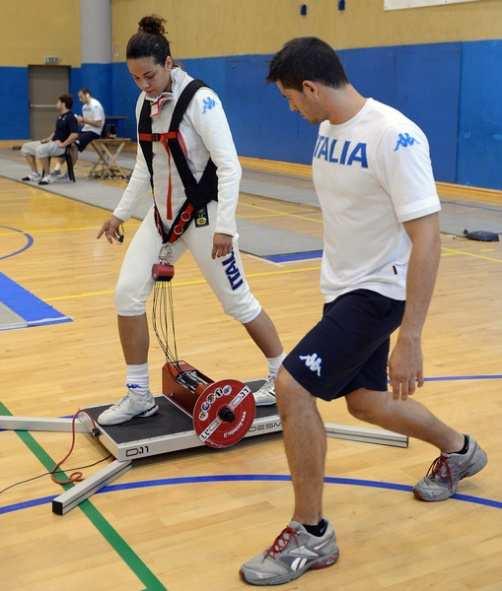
[[162, 271], [222, 412]]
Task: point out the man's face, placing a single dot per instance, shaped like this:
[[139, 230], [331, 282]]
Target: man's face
[[84, 98], [305, 102], [60, 106], [149, 76]]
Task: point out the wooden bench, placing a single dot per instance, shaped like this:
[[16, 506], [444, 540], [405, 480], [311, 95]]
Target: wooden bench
[[108, 150]]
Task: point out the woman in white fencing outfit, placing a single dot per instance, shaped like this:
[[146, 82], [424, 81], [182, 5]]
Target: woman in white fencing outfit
[[204, 151]]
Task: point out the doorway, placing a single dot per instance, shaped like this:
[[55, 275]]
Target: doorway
[[46, 83]]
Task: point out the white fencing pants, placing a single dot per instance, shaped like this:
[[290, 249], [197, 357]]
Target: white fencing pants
[[225, 275]]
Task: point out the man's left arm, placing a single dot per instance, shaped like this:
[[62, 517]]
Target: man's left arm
[[91, 122], [405, 364], [96, 119], [73, 129], [69, 140]]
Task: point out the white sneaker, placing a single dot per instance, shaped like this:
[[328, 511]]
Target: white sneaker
[[132, 405], [265, 395], [34, 177], [46, 180]]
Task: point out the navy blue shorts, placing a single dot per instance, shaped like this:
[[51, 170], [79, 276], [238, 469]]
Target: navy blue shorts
[[349, 348], [85, 138]]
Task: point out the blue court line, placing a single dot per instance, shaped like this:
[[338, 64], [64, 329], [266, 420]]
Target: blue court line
[[289, 257], [32, 309], [27, 504], [29, 242], [246, 478], [493, 376]]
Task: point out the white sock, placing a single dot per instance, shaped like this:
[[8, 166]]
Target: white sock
[[137, 375], [274, 363]]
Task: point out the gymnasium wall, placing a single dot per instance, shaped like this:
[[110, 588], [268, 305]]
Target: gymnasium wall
[[439, 65], [29, 31]]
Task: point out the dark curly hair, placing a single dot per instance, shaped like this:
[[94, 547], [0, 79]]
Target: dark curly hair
[[67, 100], [150, 40]]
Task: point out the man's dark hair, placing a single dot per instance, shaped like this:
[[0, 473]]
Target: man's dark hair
[[85, 91], [306, 58], [150, 40], [66, 100]]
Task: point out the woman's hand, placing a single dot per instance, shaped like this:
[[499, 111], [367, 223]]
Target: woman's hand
[[222, 245], [111, 230]]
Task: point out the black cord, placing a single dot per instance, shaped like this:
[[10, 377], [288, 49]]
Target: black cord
[[163, 319], [173, 326], [55, 472]]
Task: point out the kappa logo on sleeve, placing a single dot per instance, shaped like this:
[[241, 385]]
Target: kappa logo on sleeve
[[208, 103], [404, 140]]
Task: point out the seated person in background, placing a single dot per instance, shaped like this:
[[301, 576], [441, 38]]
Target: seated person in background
[[65, 133], [92, 119]]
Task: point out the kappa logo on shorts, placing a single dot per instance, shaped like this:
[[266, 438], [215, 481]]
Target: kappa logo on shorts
[[313, 362]]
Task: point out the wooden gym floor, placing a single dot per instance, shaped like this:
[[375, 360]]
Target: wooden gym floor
[[186, 537]]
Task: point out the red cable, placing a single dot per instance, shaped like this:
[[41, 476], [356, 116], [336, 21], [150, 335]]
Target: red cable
[[74, 476]]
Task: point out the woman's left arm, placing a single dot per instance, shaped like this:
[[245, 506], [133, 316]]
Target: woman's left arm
[[210, 122]]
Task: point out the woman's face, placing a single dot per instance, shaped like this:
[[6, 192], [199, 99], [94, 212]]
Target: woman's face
[[150, 76]]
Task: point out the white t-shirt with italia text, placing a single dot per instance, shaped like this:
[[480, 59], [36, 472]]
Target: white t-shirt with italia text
[[371, 174]]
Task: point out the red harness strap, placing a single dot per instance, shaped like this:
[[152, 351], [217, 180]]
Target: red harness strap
[[158, 137], [164, 138], [198, 193]]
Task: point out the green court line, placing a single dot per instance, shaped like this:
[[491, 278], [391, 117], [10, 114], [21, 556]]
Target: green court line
[[115, 540]]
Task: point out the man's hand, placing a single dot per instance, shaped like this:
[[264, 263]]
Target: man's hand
[[111, 230], [79, 119], [222, 245], [405, 367]]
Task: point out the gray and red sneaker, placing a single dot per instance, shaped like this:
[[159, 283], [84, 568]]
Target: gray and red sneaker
[[293, 552], [446, 471]]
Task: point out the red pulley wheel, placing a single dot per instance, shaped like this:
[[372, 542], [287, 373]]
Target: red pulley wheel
[[223, 413]]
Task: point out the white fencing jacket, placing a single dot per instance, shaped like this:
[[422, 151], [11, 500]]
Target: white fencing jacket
[[204, 133]]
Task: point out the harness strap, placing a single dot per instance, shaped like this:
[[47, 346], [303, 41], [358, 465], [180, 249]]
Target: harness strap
[[198, 193]]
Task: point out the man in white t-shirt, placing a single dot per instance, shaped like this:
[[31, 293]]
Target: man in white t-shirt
[[373, 176], [92, 119]]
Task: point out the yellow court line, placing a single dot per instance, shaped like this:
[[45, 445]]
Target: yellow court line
[[293, 215], [259, 216], [54, 230], [88, 294], [84, 294], [470, 254], [448, 252], [296, 208]]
